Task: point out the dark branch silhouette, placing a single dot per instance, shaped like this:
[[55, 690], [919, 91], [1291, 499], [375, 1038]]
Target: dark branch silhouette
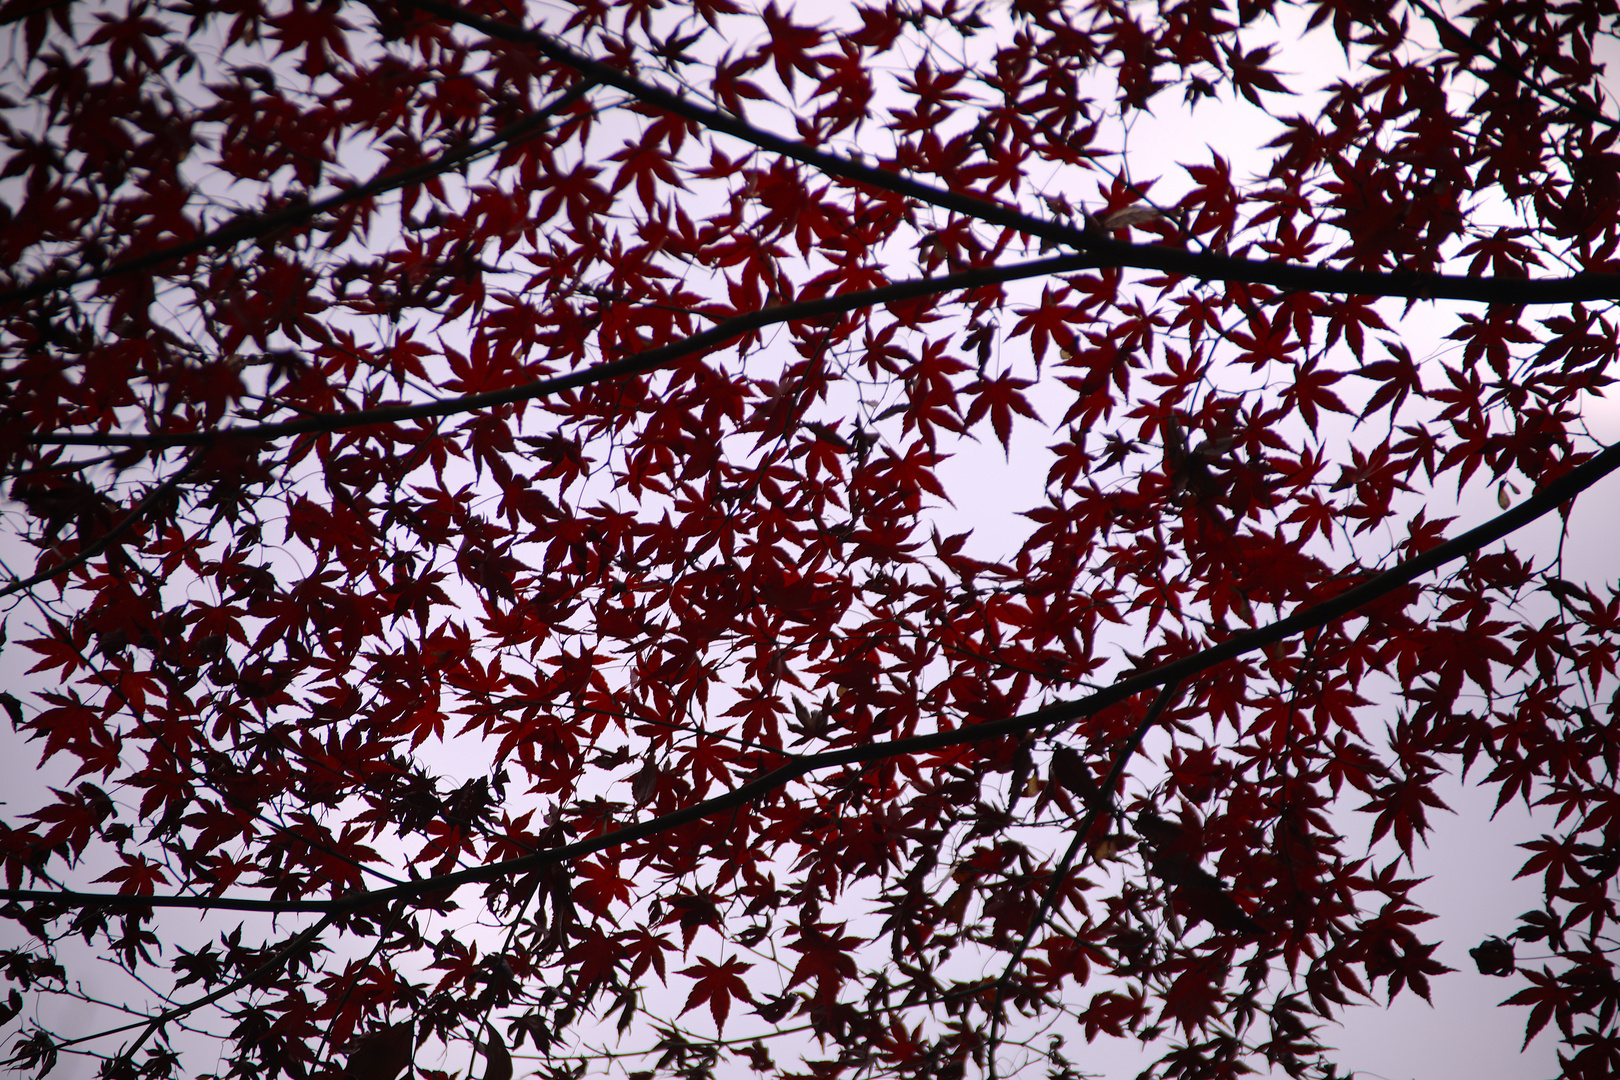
[[635, 364], [1204, 265], [249, 226], [1552, 495]]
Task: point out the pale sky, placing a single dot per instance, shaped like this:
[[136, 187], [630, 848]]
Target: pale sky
[[1470, 859]]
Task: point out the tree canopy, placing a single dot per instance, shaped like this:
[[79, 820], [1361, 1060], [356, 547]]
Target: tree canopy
[[514, 559]]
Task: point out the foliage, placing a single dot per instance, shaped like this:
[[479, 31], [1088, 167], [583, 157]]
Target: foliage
[[489, 474]]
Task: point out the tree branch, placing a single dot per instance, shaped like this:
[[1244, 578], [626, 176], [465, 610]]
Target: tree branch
[[1107, 251], [125, 901], [264, 970], [1553, 494], [1464, 42], [247, 226], [1094, 810], [635, 364], [106, 540]]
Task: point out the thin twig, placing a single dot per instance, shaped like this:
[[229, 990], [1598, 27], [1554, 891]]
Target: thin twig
[[1094, 810], [264, 970]]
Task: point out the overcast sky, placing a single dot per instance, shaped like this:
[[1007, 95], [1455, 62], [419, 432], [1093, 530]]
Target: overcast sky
[[1470, 858]]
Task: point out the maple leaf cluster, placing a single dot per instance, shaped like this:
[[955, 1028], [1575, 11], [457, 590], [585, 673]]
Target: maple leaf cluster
[[485, 475]]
